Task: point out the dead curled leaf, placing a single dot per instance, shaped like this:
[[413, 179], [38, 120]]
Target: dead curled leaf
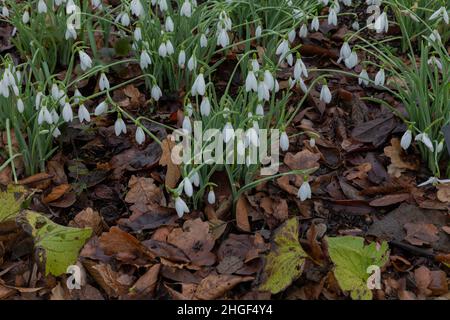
[[144, 195], [215, 286], [242, 208], [304, 159], [419, 234], [145, 285], [443, 193], [399, 162]]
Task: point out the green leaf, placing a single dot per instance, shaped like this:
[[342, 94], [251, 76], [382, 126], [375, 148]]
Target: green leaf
[[11, 202], [352, 259], [59, 246], [285, 262]]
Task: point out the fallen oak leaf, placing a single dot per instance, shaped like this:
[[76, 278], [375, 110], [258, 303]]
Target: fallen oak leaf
[[56, 193], [390, 200], [215, 286]]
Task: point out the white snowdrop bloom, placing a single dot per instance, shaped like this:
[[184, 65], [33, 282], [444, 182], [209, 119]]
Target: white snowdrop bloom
[[187, 186], [355, 25], [169, 47], [96, 4], [71, 33], [304, 192], [192, 63], [20, 106], [56, 132], [434, 181], [440, 147], [203, 41], [136, 8], [101, 108], [44, 116], [15, 90], [139, 135], [284, 142], [380, 78], [182, 59], [103, 82], [120, 127], [189, 109], [55, 116], [156, 92], [5, 11], [145, 60], [255, 65], [300, 69], [162, 50], [345, 51], [351, 61], [251, 84], [181, 207], [211, 197], [269, 80], [67, 112], [77, 95], [85, 60], [381, 23], [137, 33], [169, 25], [186, 9], [83, 114], [186, 125], [38, 100], [312, 142], [332, 17], [315, 24], [324, 2], [222, 39], [199, 86], [325, 94], [125, 19], [303, 33], [26, 17], [195, 179], [425, 139], [259, 110], [442, 11], [251, 136], [163, 5], [205, 107], [263, 91], [283, 48], [291, 36], [42, 6], [348, 3], [406, 140], [228, 132], [290, 59], [302, 85], [240, 147], [435, 37], [363, 78], [433, 61], [258, 32]]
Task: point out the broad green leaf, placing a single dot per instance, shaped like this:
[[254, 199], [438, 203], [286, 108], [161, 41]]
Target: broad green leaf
[[59, 246], [11, 202], [285, 262], [352, 260]]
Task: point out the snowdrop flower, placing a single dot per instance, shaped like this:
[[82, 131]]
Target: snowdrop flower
[[435, 37], [425, 139], [302, 85], [186, 9], [77, 95], [203, 41], [291, 36], [140, 135], [332, 17], [42, 6], [284, 142], [103, 82], [442, 11], [255, 64], [181, 207], [120, 126], [5, 11], [228, 132], [136, 8], [351, 61], [205, 107], [44, 116], [156, 92], [325, 94], [83, 114], [125, 19], [303, 33], [434, 181], [211, 197], [315, 24], [56, 132], [71, 33], [259, 110], [192, 63], [347, 2], [440, 147], [300, 69], [67, 112], [263, 91], [355, 25], [283, 48], [195, 179], [182, 59], [163, 5], [96, 4], [101, 108], [380, 78], [85, 60], [435, 61], [251, 84], [304, 192], [199, 86], [169, 47], [162, 50], [312, 142], [26, 17], [406, 140], [55, 116], [169, 24], [137, 34], [223, 40], [269, 80], [186, 125], [55, 92], [38, 100], [324, 2], [258, 31], [381, 23], [363, 78], [145, 60], [345, 51], [187, 186], [188, 109], [20, 106]]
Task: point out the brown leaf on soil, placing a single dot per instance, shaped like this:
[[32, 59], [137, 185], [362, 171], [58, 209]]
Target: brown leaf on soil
[[390, 200], [422, 276], [145, 286], [399, 162], [6, 292], [304, 159], [166, 250], [56, 193], [375, 131], [438, 284], [124, 247], [173, 171], [35, 179], [359, 172], [215, 286], [195, 240], [419, 234], [276, 211], [187, 291], [443, 193], [242, 208], [55, 167], [88, 218], [112, 282], [144, 195], [284, 183]]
